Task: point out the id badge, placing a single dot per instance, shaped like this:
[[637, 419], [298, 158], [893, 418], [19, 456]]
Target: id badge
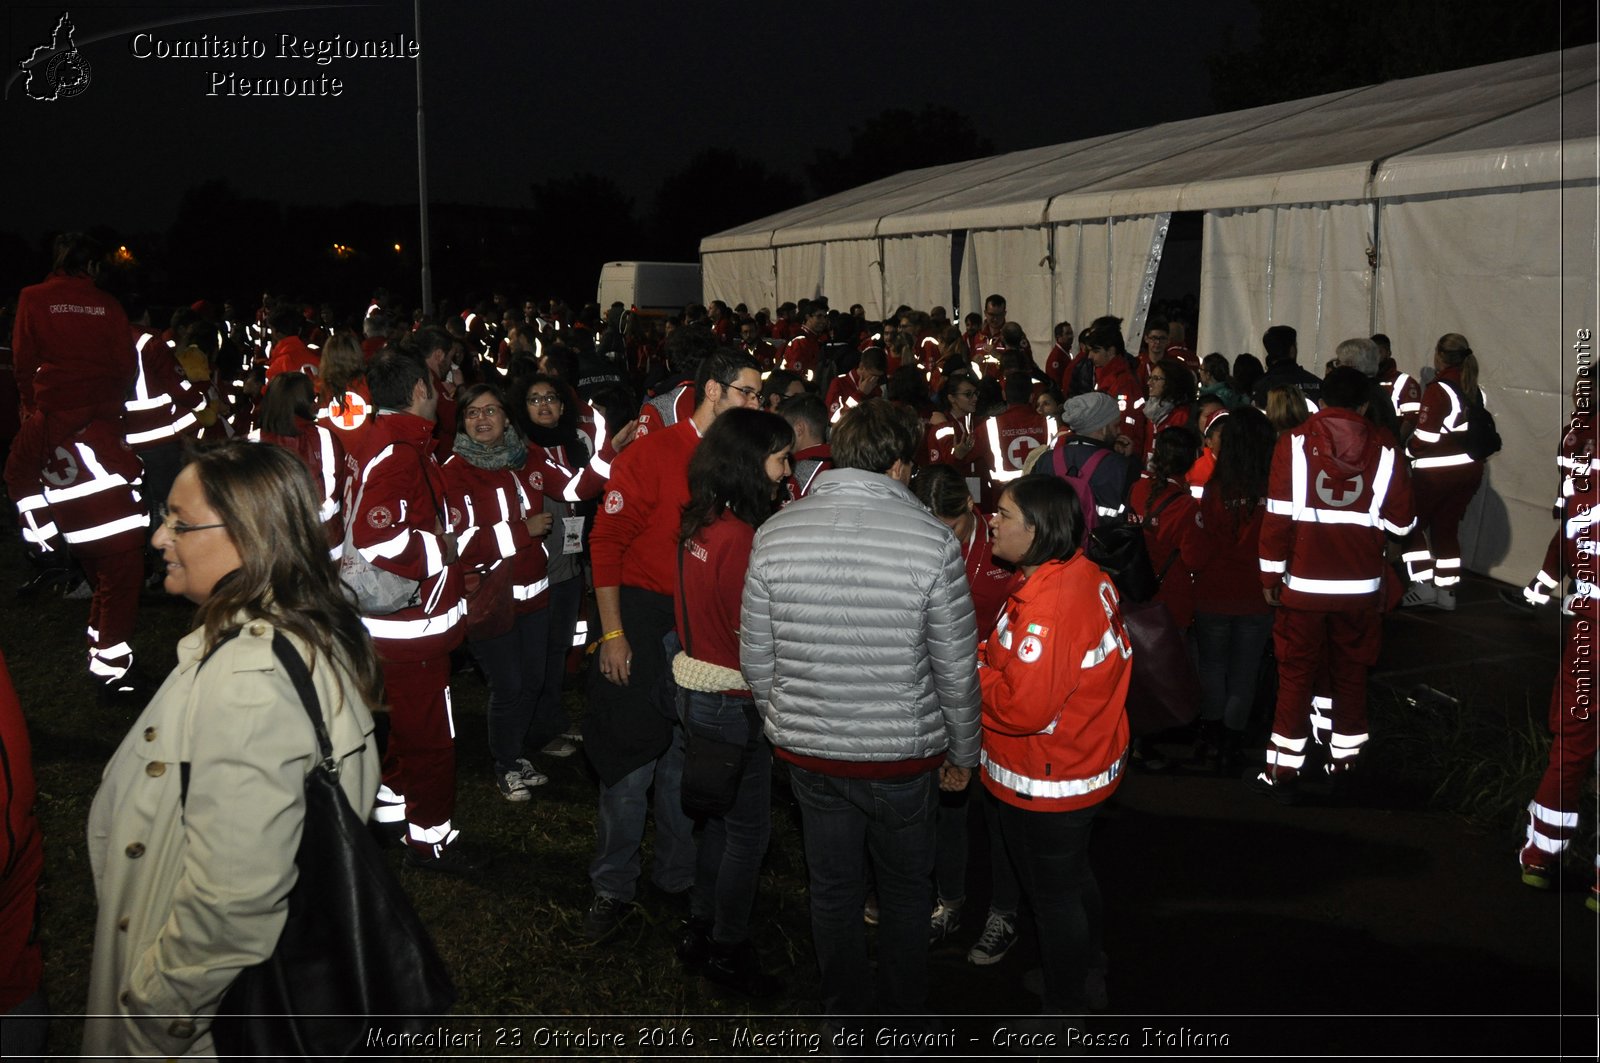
[[571, 535]]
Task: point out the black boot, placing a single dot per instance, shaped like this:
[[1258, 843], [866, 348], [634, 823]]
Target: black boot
[[737, 967]]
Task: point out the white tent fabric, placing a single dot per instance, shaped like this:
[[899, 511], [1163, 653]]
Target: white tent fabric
[[1304, 265], [742, 276], [1457, 202], [920, 270]]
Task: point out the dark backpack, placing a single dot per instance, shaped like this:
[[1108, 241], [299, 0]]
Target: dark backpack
[[1117, 548], [1482, 436]]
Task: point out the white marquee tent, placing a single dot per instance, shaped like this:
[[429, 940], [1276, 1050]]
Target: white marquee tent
[[1456, 202]]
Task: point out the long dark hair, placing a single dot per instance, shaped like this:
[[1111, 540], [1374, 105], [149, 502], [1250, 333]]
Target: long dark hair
[[268, 504], [728, 470], [1245, 461], [291, 396]]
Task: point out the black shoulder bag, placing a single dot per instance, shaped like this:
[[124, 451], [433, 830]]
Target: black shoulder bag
[[352, 950], [712, 768]]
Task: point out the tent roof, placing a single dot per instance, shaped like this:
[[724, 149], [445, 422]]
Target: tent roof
[[1523, 121]]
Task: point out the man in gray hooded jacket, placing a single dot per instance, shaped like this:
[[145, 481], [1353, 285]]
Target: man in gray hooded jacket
[[859, 644]]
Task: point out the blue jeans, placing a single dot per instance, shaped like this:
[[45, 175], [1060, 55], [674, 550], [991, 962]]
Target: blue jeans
[[1052, 854], [1230, 661], [731, 845], [950, 867], [549, 714], [514, 665], [619, 828], [893, 821]]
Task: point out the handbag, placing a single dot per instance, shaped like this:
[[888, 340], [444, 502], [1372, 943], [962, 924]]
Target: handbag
[[1163, 689], [491, 610], [352, 948], [1163, 686], [712, 767], [376, 591]]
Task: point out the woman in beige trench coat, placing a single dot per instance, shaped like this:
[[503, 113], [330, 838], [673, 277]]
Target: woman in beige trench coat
[[194, 889]]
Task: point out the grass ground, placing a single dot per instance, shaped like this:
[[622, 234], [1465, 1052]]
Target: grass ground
[[511, 936]]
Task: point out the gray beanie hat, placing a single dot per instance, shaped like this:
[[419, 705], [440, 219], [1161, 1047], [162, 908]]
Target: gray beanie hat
[[1089, 412]]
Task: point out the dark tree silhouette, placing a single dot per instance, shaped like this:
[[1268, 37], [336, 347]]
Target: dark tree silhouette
[[580, 223], [893, 141], [716, 190], [221, 239]]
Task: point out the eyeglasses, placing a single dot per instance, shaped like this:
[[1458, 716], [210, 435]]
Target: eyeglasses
[[174, 526], [752, 394], [543, 400], [473, 413]]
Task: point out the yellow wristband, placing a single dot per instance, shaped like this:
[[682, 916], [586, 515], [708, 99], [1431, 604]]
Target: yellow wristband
[[607, 637]]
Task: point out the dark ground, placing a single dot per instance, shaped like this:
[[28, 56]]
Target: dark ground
[[1393, 925]]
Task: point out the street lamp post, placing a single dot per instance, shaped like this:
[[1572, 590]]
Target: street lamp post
[[422, 176]]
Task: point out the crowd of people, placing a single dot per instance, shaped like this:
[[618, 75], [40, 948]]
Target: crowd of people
[[874, 552]]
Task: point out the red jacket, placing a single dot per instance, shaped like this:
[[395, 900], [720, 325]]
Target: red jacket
[[1175, 418], [845, 393], [1058, 366], [402, 512], [1575, 458], [1404, 393], [1055, 676], [939, 442], [289, 355], [807, 464], [800, 356], [1224, 553], [708, 598], [990, 582], [1117, 380], [1337, 486], [1166, 535], [75, 363], [350, 416], [1007, 439], [635, 538], [73, 351], [665, 410], [321, 452], [495, 508], [161, 406], [21, 854], [1440, 439]]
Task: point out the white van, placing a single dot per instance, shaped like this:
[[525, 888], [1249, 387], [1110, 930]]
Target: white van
[[656, 289]]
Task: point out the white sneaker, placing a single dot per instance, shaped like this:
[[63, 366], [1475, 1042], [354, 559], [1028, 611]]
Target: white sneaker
[[511, 787], [531, 776], [559, 747], [1444, 599], [946, 921], [1422, 594]]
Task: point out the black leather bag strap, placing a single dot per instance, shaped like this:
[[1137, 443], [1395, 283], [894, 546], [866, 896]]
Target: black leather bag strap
[[300, 676], [688, 645]]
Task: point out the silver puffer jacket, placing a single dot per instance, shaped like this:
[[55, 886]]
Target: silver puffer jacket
[[857, 635]]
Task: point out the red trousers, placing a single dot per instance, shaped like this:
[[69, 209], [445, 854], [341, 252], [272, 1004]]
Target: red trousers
[[113, 611], [1553, 813], [419, 765], [1336, 647], [1441, 496]]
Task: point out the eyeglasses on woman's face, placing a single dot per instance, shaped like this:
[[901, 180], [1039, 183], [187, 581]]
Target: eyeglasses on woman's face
[[543, 398], [473, 413], [169, 521]]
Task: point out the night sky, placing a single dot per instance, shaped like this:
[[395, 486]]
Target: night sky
[[521, 92]]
